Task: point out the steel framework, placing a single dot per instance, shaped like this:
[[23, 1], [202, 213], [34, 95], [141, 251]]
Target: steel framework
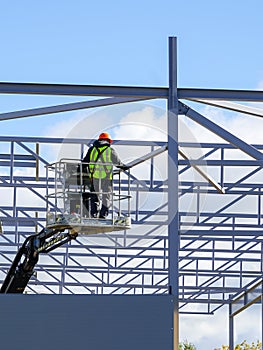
[[251, 296], [200, 253]]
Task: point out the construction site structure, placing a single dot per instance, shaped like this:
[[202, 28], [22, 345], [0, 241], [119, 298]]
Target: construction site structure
[[196, 237]]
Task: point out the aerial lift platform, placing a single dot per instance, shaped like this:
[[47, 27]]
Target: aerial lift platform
[[68, 205], [68, 215]]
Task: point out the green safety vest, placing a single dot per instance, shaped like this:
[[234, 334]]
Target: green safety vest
[[100, 157]]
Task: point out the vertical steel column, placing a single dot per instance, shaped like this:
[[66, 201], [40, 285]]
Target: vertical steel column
[[37, 161], [262, 313], [231, 327], [173, 214]]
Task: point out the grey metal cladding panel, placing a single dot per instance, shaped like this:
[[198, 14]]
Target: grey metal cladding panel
[[96, 322]]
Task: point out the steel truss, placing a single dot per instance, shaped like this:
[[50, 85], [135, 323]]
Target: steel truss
[[207, 250]]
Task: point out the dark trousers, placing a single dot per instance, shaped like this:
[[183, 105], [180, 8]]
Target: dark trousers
[[103, 187]]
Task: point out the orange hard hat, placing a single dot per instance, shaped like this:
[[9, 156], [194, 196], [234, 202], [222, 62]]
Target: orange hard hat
[[105, 136]]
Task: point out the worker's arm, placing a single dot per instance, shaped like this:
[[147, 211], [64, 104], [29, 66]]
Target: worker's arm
[[116, 160], [86, 159]]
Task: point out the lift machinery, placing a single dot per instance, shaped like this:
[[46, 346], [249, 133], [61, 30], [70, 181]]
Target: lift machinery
[[67, 217]]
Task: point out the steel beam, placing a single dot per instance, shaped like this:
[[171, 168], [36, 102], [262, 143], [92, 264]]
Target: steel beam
[[219, 131], [236, 107], [67, 107], [147, 156], [83, 90], [206, 176], [223, 95], [173, 184], [128, 91]]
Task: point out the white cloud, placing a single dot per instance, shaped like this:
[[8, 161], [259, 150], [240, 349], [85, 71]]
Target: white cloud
[[144, 124], [211, 331], [82, 125], [203, 330], [260, 85]]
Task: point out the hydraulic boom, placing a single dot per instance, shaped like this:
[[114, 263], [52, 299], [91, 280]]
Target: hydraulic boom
[[27, 257]]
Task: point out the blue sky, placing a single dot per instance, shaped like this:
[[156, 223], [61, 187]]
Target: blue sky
[[125, 43]]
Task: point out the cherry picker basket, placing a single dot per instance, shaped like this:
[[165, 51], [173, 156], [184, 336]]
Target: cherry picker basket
[[70, 193]]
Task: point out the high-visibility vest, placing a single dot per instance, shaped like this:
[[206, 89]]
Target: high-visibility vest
[[99, 157]]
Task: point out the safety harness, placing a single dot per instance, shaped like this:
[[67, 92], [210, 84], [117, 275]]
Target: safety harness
[[100, 160]]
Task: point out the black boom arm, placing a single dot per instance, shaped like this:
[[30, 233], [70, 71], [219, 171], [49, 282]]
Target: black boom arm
[[27, 257]]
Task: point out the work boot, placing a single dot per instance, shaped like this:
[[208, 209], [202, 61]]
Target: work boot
[[94, 206], [103, 212]]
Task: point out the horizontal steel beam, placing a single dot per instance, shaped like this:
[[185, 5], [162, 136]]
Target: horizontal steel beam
[[55, 140], [221, 94], [219, 162], [83, 90], [119, 142], [221, 233], [127, 91]]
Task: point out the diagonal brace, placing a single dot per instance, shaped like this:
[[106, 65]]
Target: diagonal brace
[[212, 182], [232, 106], [221, 132], [67, 107]]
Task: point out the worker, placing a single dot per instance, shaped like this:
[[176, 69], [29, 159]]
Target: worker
[[101, 158]]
